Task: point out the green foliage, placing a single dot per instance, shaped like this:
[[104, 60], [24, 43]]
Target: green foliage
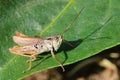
[[96, 29]]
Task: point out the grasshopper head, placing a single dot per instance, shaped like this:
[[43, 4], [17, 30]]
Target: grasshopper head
[[57, 40]]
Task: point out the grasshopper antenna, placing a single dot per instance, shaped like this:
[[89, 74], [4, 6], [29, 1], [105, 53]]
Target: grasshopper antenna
[[76, 17]]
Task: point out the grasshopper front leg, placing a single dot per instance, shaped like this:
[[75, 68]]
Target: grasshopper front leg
[[58, 61]]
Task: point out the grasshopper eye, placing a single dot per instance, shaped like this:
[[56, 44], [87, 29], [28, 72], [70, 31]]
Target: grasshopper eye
[[57, 37]]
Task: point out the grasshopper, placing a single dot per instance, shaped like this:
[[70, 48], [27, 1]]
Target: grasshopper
[[31, 47]]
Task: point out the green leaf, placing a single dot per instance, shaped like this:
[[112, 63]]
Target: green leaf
[[96, 29]]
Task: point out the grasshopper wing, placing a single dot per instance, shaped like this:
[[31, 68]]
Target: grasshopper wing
[[23, 40], [20, 34]]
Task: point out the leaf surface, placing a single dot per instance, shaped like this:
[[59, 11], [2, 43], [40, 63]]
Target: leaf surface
[[96, 29]]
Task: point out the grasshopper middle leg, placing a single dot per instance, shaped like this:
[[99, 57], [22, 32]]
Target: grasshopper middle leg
[[32, 58]]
